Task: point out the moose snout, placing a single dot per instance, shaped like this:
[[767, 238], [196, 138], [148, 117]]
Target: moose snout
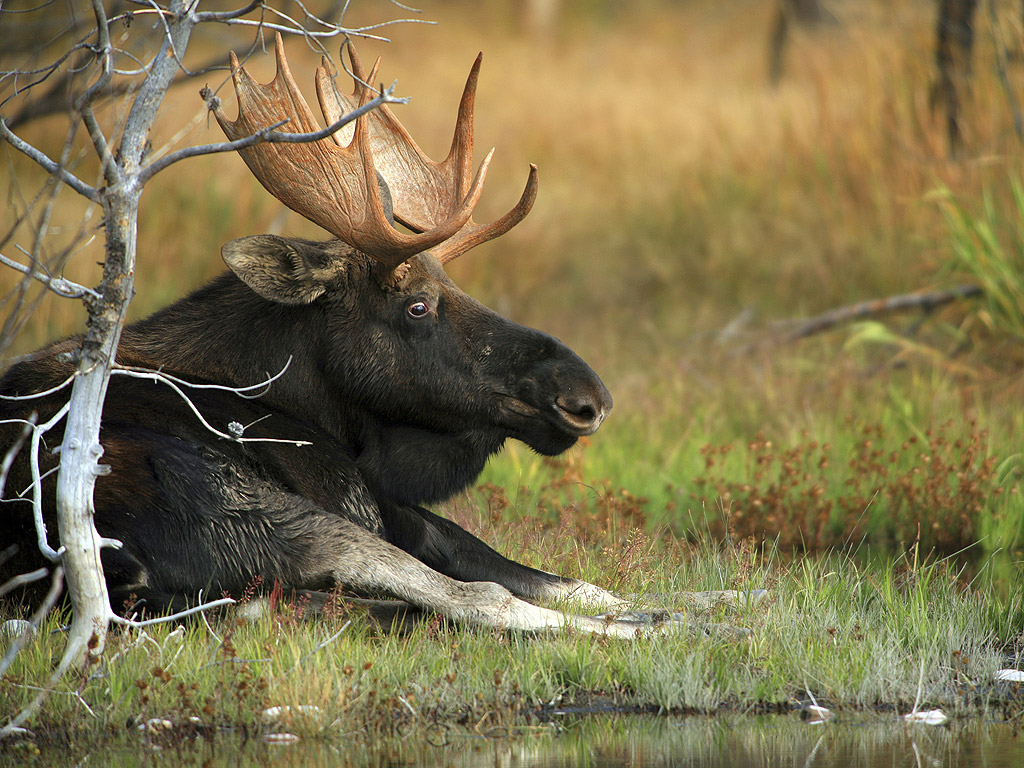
[[552, 397], [582, 410]]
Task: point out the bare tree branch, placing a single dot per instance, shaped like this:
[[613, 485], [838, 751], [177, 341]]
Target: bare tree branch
[[12, 454], [63, 287], [44, 393], [56, 584], [23, 579], [926, 301], [220, 603], [57, 170], [37, 484], [330, 30], [225, 16], [243, 392], [235, 429]]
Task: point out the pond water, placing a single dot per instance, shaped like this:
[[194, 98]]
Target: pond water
[[605, 741]]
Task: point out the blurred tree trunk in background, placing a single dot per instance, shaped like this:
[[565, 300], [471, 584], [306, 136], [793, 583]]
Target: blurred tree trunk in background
[[954, 42], [808, 13]]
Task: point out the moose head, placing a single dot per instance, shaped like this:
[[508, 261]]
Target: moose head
[[408, 347]]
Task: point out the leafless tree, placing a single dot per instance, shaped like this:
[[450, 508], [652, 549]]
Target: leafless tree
[[57, 60], [956, 29], [954, 45]]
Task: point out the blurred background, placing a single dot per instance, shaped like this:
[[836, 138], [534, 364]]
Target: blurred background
[[713, 176]]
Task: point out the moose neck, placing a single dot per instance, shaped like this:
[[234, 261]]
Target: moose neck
[[226, 334]]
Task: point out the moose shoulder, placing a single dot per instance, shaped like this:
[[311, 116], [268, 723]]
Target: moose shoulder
[[397, 387]]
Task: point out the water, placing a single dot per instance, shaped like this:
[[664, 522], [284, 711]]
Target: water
[[594, 741]]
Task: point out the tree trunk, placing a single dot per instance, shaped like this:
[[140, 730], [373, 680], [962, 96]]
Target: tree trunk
[[954, 42], [787, 13], [81, 449]]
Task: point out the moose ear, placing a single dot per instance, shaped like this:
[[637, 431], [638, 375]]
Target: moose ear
[[282, 270]]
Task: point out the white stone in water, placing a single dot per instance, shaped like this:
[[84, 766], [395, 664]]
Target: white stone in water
[[928, 717], [17, 627], [280, 738], [304, 711], [156, 725], [817, 715]]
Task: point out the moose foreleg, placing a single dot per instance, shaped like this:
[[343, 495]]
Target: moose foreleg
[[450, 549], [356, 559]]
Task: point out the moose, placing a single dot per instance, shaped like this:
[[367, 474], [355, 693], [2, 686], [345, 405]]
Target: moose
[[396, 389]]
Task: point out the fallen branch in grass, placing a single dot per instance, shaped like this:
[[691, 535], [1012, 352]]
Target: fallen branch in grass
[[874, 307]]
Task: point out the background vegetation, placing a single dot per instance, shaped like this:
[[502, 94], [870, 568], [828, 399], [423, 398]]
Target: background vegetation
[[690, 215]]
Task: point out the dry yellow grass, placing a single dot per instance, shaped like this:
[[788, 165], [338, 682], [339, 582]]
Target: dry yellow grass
[[670, 171]]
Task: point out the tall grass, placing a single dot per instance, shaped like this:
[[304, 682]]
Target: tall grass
[[987, 245]]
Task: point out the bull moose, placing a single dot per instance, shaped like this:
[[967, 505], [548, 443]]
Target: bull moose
[[397, 388]]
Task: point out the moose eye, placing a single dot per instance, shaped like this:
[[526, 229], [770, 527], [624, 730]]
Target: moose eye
[[418, 309]]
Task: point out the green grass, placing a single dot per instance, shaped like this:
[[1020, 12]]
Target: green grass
[[857, 637], [887, 478], [987, 246]]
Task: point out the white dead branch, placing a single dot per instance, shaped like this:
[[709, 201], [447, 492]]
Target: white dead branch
[[235, 429]]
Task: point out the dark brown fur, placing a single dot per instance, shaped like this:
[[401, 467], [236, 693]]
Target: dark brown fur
[[403, 392]]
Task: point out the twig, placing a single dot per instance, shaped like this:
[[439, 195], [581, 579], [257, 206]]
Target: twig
[[236, 432], [63, 287], [12, 454], [920, 685], [44, 393], [48, 165], [56, 585], [8, 553], [328, 641], [49, 691], [115, 619], [226, 16], [55, 100], [331, 30], [924, 301], [207, 623], [37, 485], [240, 391]]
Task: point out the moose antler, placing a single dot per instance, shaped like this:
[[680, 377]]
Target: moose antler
[[425, 193], [336, 186]]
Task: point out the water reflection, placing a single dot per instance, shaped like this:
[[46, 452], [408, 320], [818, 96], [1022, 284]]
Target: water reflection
[[607, 742]]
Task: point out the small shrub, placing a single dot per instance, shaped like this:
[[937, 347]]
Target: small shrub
[[883, 489]]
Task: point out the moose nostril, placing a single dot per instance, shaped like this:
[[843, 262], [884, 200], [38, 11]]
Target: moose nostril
[[587, 412], [580, 410]]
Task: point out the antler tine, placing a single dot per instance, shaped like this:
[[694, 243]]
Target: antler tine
[[333, 186], [425, 192], [474, 234]]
